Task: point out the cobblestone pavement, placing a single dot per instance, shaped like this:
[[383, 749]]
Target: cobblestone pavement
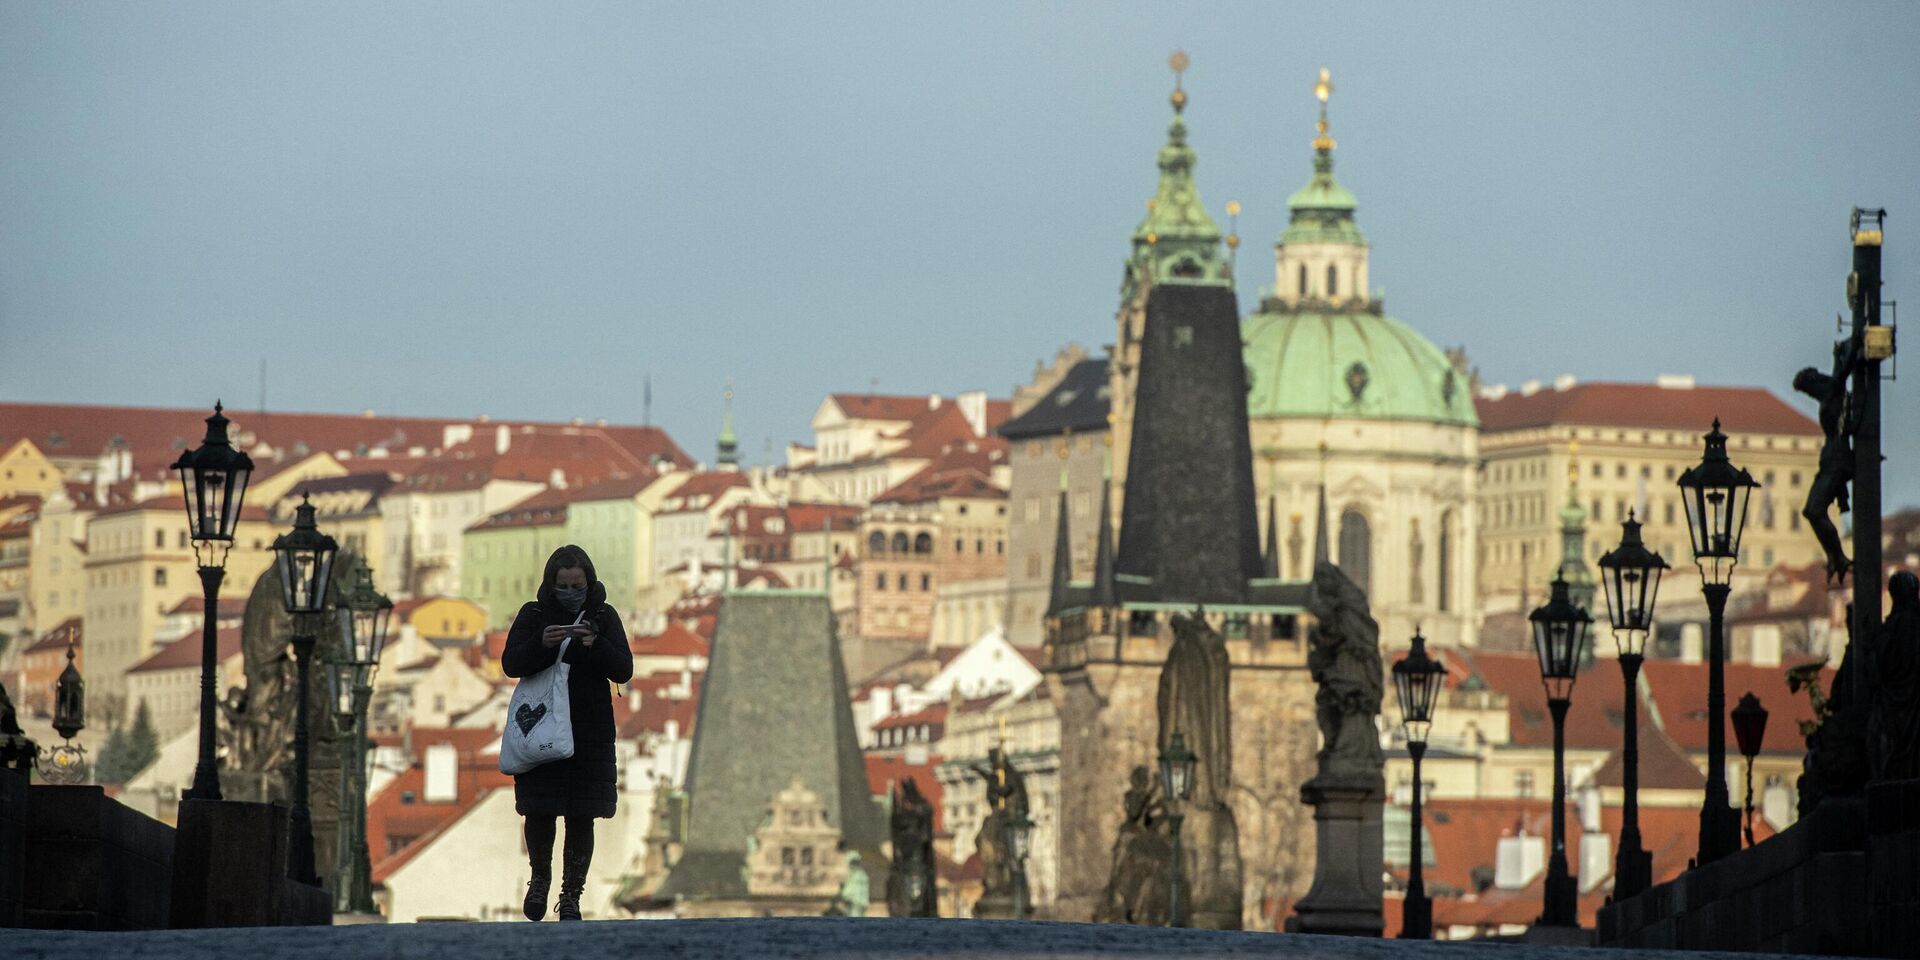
[[805, 939]]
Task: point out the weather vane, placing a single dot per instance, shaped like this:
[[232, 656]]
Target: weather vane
[[1323, 89], [1179, 62]]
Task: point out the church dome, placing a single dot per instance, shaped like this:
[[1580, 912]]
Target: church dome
[[1303, 363], [1321, 346]]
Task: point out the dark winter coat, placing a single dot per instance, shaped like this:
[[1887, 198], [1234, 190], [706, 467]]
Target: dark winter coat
[[586, 784]]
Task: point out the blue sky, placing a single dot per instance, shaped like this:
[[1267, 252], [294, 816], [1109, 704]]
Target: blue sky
[[523, 209]]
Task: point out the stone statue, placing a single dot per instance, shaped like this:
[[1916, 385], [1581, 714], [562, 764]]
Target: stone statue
[[1344, 658], [1838, 422], [912, 830], [1894, 723], [855, 892], [1193, 700], [1138, 888], [1349, 793], [1836, 759], [257, 732], [1007, 798]]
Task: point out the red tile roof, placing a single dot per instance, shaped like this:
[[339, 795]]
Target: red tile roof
[[1663, 765], [56, 639], [401, 817], [1680, 694], [1646, 406], [185, 652], [934, 715], [658, 704], [707, 483], [965, 472], [674, 641], [885, 772]]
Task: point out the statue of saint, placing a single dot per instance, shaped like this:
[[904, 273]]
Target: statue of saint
[[912, 829], [1838, 421], [1138, 884], [1193, 700], [1344, 657], [1896, 689]]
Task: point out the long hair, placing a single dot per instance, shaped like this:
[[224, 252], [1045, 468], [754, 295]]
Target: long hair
[[564, 558]]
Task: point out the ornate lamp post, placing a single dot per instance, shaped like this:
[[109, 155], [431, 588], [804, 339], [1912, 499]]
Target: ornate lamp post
[[1750, 729], [1560, 637], [350, 685], [1716, 493], [213, 481], [1630, 575], [1176, 779], [1417, 678], [67, 763], [306, 571]]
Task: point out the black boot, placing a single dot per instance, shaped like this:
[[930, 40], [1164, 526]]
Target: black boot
[[573, 879], [536, 906]]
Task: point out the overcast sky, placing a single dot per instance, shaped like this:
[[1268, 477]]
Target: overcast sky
[[522, 210]]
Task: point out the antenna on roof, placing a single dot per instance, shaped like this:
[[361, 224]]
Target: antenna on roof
[[646, 401]]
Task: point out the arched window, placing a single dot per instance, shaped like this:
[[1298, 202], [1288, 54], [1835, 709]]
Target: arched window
[[1445, 582], [923, 543], [1416, 563], [1333, 281], [876, 544], [900, 542], [1303, 280], [1356, 548]]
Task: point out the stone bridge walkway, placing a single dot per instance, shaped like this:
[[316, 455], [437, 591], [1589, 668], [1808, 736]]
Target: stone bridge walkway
[[800, 939]]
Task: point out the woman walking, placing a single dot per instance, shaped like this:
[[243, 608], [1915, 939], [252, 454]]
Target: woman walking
[[581, 788]]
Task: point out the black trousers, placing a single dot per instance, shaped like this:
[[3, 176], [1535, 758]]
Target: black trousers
[[578, 852]]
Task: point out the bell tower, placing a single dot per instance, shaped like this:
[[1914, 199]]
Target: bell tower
[[1321, 259]]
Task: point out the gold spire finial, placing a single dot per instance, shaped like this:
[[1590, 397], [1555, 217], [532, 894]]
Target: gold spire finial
[[1323, 89], [1179, 62]]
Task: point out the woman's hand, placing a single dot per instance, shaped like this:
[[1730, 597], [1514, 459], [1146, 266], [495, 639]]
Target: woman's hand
[[552, 635], [588, 634]]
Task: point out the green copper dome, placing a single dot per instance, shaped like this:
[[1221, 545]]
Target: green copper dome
[[1349, 364]]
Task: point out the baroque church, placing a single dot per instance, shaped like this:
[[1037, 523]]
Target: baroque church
[[1341, 397], [1243, 450]]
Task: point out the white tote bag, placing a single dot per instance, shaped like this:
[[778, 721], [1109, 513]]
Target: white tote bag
[[539, 718]]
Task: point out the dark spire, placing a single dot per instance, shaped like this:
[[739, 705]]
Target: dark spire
[[1062, 561], [1104, 594], [1271, 569], [1320, 552]]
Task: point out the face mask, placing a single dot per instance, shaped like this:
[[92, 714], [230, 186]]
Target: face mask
[[572, 598]]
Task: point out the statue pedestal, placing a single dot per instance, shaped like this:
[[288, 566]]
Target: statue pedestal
[[1346, 895]]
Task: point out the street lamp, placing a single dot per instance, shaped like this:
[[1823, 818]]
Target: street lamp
[[1417, 678], [1716, 494], [1559, 637], [1630, 574], [350, 684], [67, 763], [305, 558], [213, 482], [1750, 729], [1176, 779]]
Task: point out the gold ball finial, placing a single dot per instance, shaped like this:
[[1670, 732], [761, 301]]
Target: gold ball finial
[[1324, 87], [1233, 208], [1179, 62]]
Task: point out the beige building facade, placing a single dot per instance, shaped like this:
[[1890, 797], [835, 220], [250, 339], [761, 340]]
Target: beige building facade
[[1627, 445]]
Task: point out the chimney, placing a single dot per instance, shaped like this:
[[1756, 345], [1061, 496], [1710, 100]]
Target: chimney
[[502, 440], [1692, 641], [443, 773], [1518, 860], [973, 405], [1596, 859]]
